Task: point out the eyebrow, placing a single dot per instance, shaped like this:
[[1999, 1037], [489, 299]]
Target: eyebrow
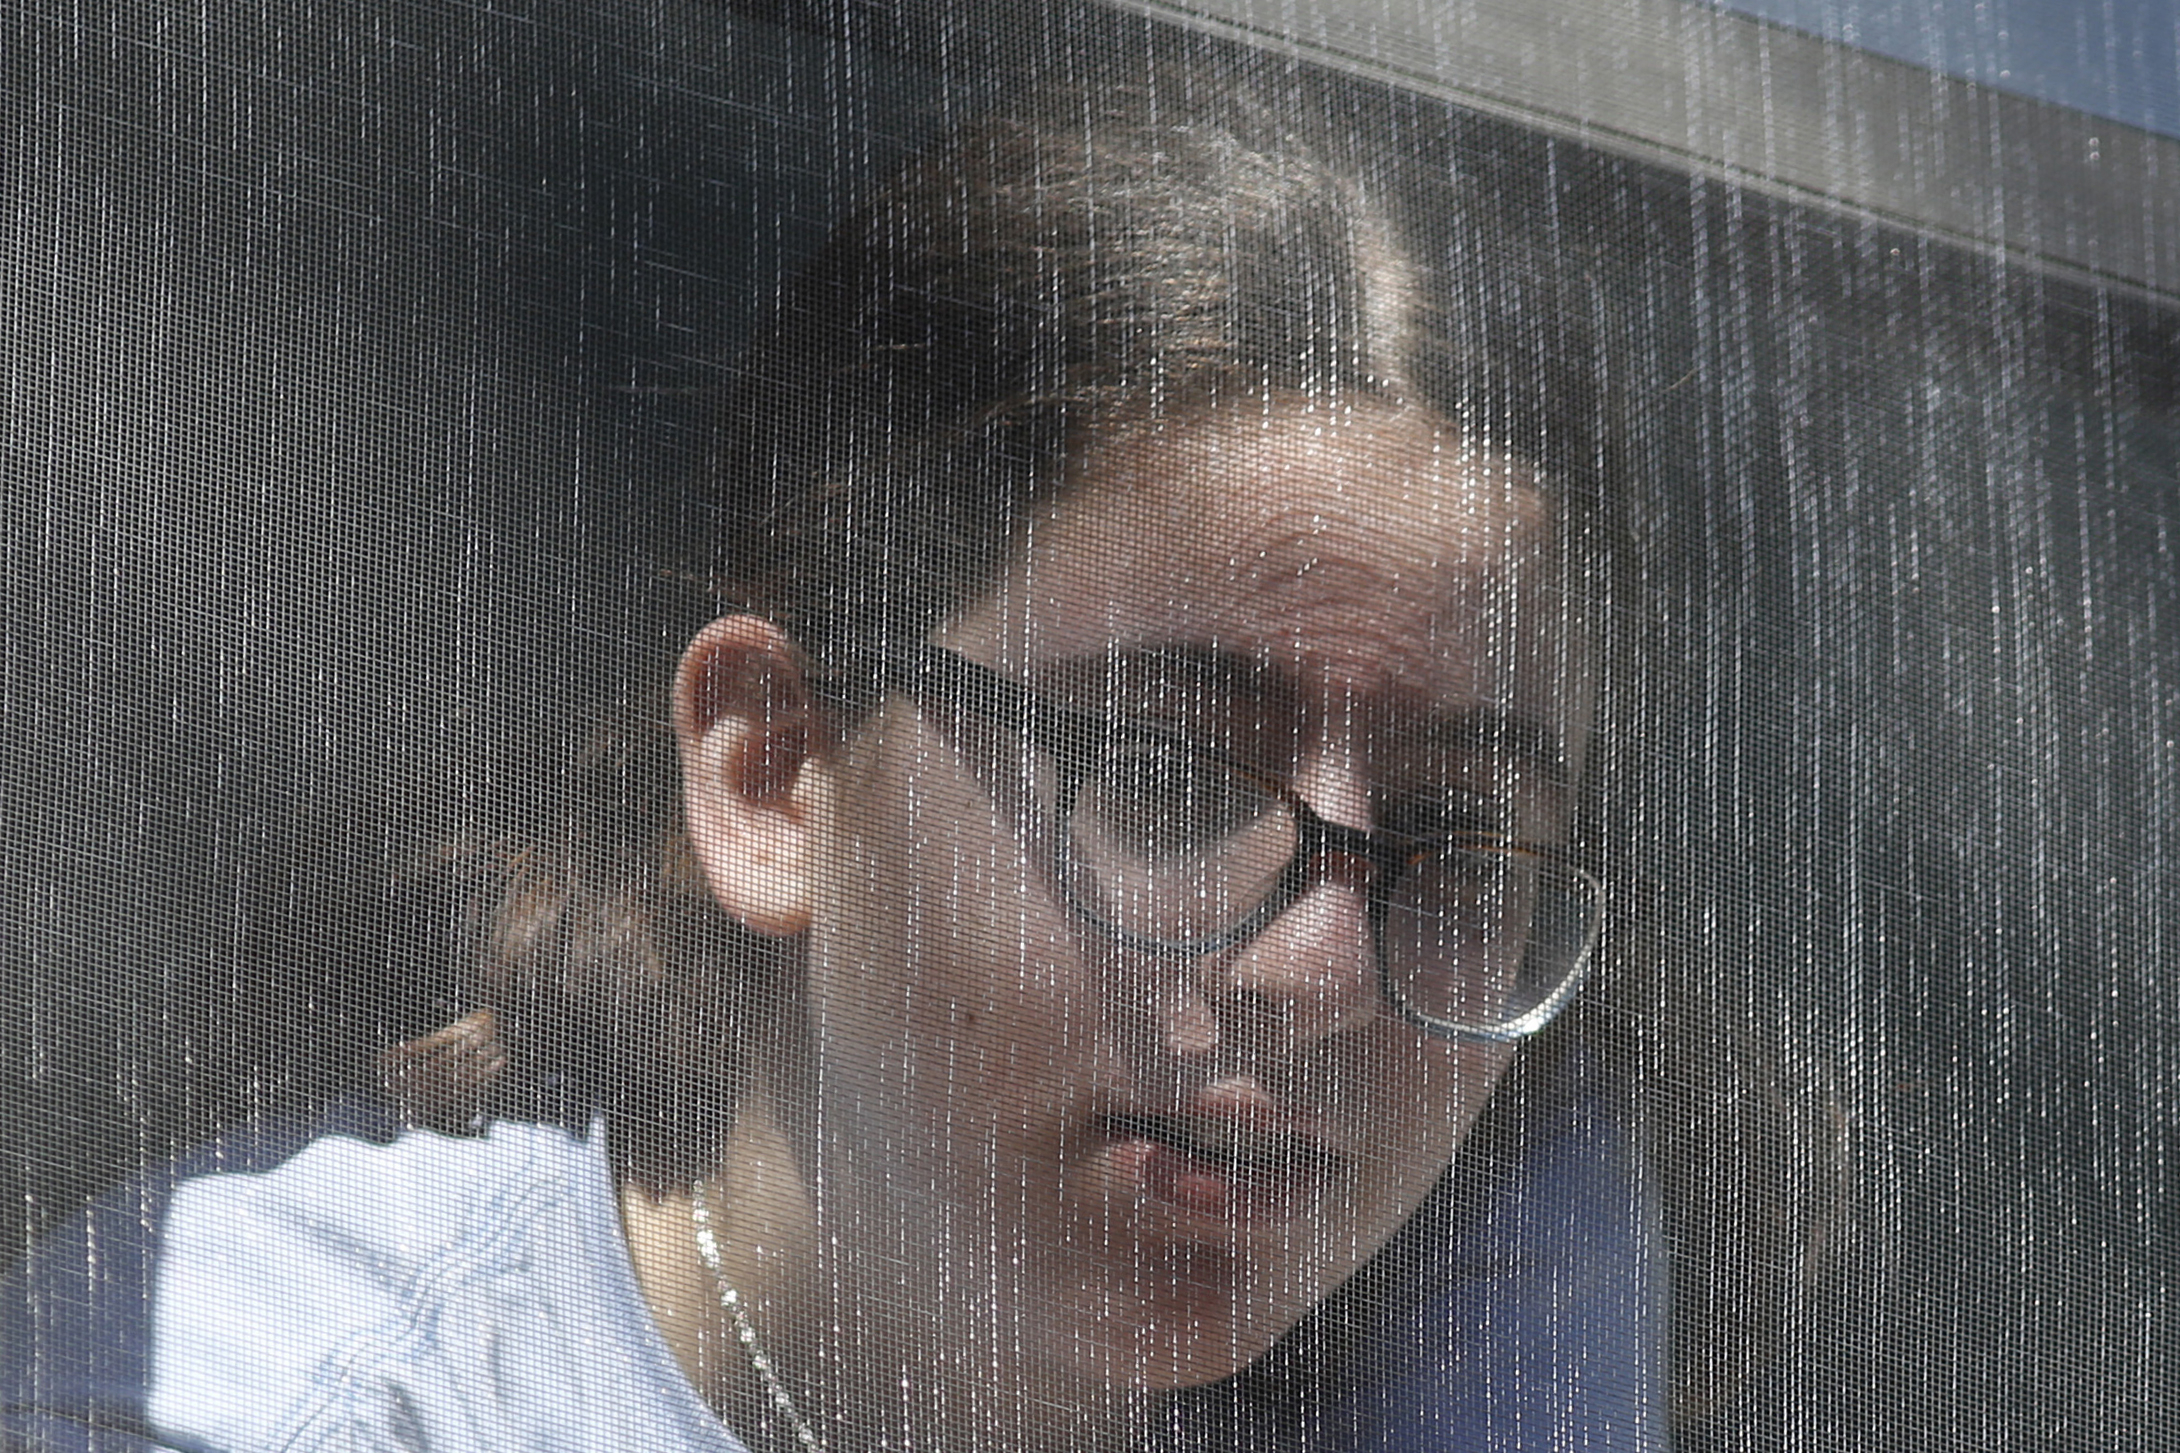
[[1179, 664], [1238, 675]]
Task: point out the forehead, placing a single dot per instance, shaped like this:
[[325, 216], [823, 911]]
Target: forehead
[[1364, 549]]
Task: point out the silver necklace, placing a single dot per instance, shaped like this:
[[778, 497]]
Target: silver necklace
[[745, 1332]]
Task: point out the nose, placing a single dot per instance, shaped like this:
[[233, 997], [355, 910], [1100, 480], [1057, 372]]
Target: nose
[[1315, 966], [1311, 972]]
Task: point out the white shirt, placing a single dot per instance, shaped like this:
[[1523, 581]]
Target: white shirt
[[353, 1284]]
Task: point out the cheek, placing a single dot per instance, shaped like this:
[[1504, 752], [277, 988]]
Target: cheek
[[946, 982]]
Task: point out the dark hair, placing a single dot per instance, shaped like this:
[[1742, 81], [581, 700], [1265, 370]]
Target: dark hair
[[1130, 252], [1037, 279]]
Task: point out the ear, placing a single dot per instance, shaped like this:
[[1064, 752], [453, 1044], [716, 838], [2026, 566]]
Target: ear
[[752, 781]]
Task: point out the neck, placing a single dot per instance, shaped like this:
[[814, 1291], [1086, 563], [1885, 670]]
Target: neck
[[862, 1364]]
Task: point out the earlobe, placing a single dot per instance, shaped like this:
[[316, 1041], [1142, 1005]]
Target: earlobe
[[752, 781]]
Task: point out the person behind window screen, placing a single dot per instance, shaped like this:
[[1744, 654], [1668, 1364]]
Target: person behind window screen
[[1116, 817]]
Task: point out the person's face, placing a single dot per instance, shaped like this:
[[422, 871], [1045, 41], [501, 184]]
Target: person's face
[[1138, 1171]]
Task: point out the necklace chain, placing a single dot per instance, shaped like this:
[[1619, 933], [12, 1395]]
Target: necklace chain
[[745, 1331]]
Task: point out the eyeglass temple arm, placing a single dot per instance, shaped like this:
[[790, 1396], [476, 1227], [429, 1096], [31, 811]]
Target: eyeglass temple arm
[[934, 676]]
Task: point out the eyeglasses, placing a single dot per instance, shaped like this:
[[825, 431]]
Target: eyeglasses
[[1176, 849]]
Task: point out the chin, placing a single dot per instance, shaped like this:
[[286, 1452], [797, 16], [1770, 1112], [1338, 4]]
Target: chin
[[1178, 1357], [1174, 1316], [1200, 1361]]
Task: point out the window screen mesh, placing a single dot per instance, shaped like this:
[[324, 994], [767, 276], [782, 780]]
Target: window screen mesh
[[769, 726]]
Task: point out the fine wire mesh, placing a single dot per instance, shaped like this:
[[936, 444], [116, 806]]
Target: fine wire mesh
[[367, 374]]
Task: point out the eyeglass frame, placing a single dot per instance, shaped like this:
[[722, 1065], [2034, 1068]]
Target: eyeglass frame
[[1075, 737]]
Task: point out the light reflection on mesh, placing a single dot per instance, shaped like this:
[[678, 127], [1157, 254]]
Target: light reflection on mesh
[[372, 381]]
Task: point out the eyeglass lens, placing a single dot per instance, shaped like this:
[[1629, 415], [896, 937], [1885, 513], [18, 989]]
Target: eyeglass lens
[[1176, 848]]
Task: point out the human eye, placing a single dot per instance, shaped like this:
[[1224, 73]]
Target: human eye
[[1158, 800], [1173, 844]]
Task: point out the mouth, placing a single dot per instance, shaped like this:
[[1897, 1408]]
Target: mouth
[[1245, 1151], [1225, 1167]]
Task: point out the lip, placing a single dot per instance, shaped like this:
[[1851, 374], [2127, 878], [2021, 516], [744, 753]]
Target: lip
[[1224, 1157]]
